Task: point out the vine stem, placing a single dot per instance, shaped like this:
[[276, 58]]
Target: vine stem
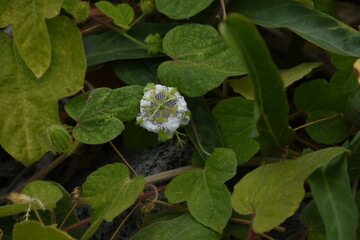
[[124, 220], [222, 3], [122, 157], [317, 121], [38, 175], [120, 31]]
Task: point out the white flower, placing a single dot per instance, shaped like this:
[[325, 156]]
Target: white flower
[[162, 110]]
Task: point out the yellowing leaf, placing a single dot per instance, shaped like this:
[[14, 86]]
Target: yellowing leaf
[[273, 192], [29, 105], [27, 18]]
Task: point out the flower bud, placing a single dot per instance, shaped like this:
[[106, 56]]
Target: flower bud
[[154, 42], [147, 6], [59, 140]]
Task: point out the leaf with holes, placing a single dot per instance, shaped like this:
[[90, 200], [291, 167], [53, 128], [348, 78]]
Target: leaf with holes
[[204, 190], [201, 60], [100, 113], [29, 105], [109, 191]]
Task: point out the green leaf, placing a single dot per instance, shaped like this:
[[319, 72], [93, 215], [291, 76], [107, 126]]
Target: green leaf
[[354, 158], [314, 26], [180, 9], [137, 72], [271, 102], [204, 190], [330, 187], [31, 230], [24, 98], [330, 131], [244, 87], [111, 45], [180, 228], [236, 121], [273, 192], [122, 14], [92, 229], [100, 113], [27, 19], [202, 130], [47, 192], [79, 9], [311, 218], [201, 60], [109, 191]]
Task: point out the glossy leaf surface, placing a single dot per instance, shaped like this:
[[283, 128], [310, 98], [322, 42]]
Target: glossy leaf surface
[[271, 103], [200, 60], [109, 191], [273, 192], [236, 121], [180, 9], [314, 26], [184, 227], [330, 187], [99, 114], [27, 18], [23, 97], [207, 197]]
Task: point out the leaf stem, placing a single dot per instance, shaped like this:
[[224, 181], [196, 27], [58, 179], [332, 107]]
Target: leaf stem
[[137, 20], [119, 30], [222, 3], [197, 138], [123, 221], [68, 214], [122, 157], [38, 216], [317, 121]]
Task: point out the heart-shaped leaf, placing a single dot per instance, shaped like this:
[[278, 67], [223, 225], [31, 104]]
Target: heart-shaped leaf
[[201, 60], [122, 14], [236, 120], [31, 230], [24, 98], [273, 192], [204, 190], [184, 227], [39, 192], [272, 131], [99, 113], [27, 19], [180, 9], [109, 191]]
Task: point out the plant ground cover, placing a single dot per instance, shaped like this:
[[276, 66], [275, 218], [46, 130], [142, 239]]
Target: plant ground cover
[[262, 97]]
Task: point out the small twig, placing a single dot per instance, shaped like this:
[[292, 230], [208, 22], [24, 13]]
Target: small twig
[[122, 157], [38, 175], [146, 195], [197, 138], [248, 222], [123, 221], [68, 214], [223, 9], [354, 189], [168, 174], [317, 121], [76, 225], [38, 216]]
